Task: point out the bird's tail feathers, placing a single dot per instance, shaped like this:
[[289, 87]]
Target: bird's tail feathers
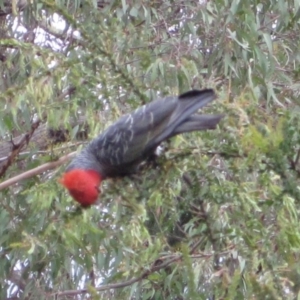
[[198, 122], [189, 103], [183, 118]]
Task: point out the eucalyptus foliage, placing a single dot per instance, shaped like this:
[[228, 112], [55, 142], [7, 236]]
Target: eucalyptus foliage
[[217, 215]]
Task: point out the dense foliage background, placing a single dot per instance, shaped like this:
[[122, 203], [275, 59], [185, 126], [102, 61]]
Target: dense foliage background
[[218, 218]]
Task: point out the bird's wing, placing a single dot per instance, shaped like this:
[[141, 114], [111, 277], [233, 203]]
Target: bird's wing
[[133, 136], [126, 140]]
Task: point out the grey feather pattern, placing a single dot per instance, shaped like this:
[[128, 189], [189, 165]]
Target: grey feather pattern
[[123, 145]]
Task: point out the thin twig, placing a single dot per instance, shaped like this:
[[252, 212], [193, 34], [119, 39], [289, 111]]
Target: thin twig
[[297, 158], [144, 275], [17, 148], [154, 268], [47, 151]]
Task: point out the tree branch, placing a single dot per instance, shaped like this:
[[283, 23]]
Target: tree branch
[[144, 275], [37, 170]]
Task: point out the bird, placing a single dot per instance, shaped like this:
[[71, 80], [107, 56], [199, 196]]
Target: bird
[[133, 138]]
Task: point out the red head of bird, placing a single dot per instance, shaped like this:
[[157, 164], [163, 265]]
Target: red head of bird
[[83, 185]]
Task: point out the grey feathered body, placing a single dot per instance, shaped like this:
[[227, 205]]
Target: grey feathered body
[[132, 138]]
